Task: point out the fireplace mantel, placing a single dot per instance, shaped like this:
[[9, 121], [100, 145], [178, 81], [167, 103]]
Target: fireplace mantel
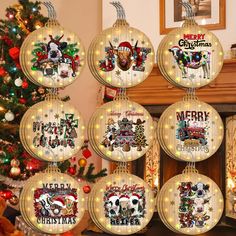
[[156, 90]]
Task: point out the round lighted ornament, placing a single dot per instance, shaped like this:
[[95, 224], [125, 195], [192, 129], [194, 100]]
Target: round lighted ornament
[[121, 56], [122, 204], [52, 202], [191, 203], [121, 130], [190, 130], [52, 130], [190, 56], [52, 56]]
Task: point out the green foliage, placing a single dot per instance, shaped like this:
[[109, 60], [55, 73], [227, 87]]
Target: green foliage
[[89, 176], [20, 20]]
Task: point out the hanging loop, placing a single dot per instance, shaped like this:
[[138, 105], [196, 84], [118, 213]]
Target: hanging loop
[[190, 169], [121, 17], [190, 95], [121, 95], [52, 94], [52, 15], [189, 13], [52, 168], [122, 167]]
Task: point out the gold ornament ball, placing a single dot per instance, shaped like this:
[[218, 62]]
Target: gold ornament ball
[[15, 163], [7, 79], [15, 171], [82, 162], [14, 200]]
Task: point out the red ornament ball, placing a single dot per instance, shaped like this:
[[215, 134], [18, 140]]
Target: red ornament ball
[[2, 72], [14, 53], [22, 100], [6, 194], [72, 170], [25, 84], [87, 189]]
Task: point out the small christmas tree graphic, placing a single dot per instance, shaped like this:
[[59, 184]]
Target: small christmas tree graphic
[[140, 138]]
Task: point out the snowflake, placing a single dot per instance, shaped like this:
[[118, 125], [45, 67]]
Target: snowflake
[[172, 203], [56, 116], [118, 72], [61, 150], [47, 152], [62, 112], [192, 76], [210, 209], [132, 39], [116, 40], [142, 42], [38, 117], [51, 110], [135, 75], [46, 115], [173, 67], [68, 39]]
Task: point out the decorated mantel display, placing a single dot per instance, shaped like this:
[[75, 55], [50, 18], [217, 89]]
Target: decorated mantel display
[[52, 130], [190, 56], [121, 56], [121, 130], [190, 130], [121, 203], [52, 56], [190, 203], [52, 202]]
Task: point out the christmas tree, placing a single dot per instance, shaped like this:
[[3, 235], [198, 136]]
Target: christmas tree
[[140, 138], [17, 94]]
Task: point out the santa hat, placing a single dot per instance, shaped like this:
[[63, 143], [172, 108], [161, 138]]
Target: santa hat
[[71, 197], [124, 197], [111, 195], [135, 195], [125, 46], [176, 47], [59, 201]]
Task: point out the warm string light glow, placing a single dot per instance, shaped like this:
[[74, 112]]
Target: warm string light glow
[[190, 130], [52, 130], [64, 200], [114, 196], [187, 205], [190, 56], [121, 56], [58, 66], [121, 131]]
